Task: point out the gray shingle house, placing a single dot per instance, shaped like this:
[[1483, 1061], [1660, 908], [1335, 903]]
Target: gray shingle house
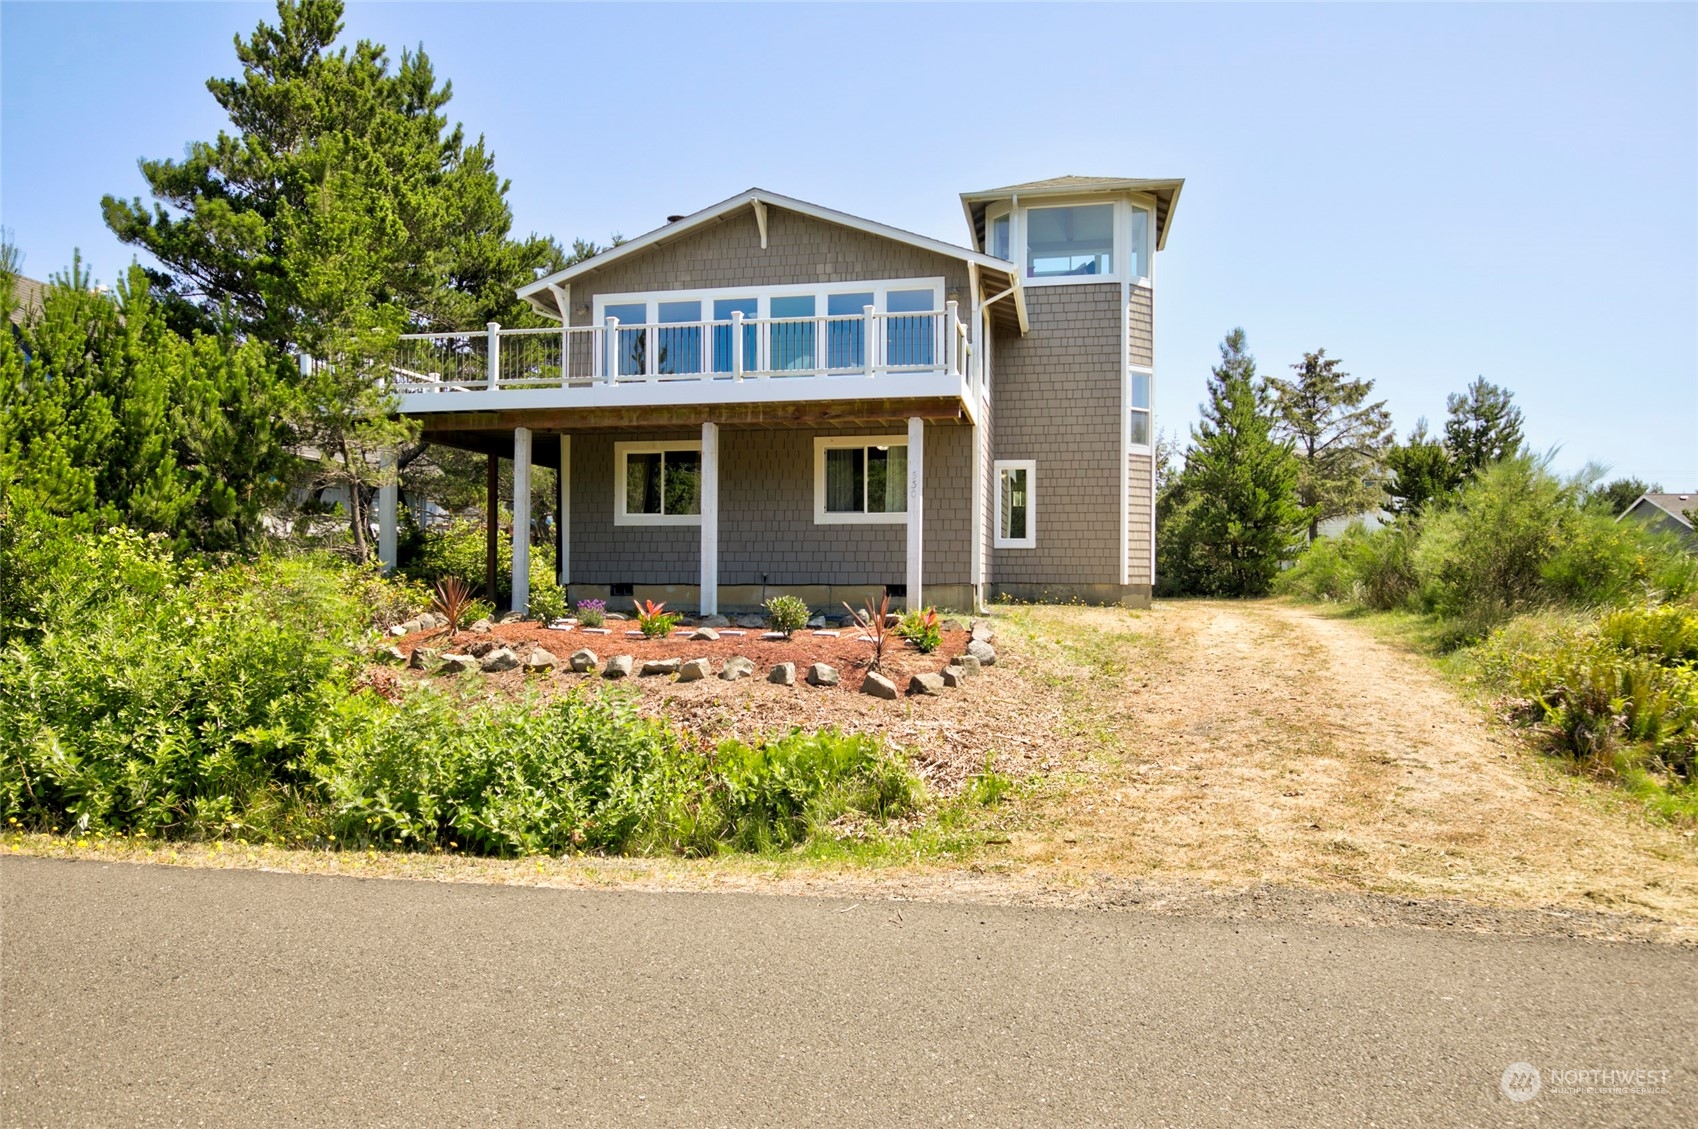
[[770, 396]]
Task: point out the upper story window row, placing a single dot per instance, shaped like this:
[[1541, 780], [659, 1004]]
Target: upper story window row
[[1086, 242]]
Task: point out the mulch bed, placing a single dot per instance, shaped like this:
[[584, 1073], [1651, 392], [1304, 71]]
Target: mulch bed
[[994, 718], [846, 652]]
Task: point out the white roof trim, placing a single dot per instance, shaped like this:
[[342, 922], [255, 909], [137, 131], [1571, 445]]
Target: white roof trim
[[754, 196]]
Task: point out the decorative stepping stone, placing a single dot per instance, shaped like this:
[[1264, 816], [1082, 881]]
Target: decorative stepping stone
[[773, 636], [826, 634], [596, 630], [634, 635], [734, 633], [561, 626]]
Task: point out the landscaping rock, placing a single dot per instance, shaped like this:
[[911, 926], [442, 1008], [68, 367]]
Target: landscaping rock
[[817, 621], [616, 617], [983, 652], [411, 626], [968, 664], [879, 686], [618, 666], [540, 661], [695, 670], [481, 647], [982, 632], [662, 666], [750, 621], [784, 674], [953, 676], [953, 625], [458, 664], [713, 621], [737, 667], [390, 653], [822, 675], [420, 659], [582, 661], [430, 621], [511, 617], [397, 631], [481, 626], [706, 634], [498, 660], [926, 684]]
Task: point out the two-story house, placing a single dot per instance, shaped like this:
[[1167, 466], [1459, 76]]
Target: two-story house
[[770, 396]]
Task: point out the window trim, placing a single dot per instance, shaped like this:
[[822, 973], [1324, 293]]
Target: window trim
[[824, 443], [1030, 541], [649, 447], [1127, 209]]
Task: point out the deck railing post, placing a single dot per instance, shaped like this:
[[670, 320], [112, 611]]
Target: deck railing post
[[951, 355], [610, 344], [737, 358], [869, 350], [494, 354]]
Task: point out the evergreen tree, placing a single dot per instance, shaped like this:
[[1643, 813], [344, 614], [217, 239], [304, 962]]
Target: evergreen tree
[[1338, 436], [1484, 427], [342, 187], [1614, 497], [1232, 516], [109, 416], [1421, 471]]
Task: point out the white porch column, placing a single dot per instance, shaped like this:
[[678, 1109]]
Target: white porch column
[[916, 508], [388, 498], [709, 602], [521, 519], [565, 570]]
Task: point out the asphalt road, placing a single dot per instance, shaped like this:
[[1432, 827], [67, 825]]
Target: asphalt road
[[138, 995]]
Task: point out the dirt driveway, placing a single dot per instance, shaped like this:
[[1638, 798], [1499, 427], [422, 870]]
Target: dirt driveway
[[1237, 744]]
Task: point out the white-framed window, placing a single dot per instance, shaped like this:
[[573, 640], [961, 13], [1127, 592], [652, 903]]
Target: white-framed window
[[1074, 239], [693, 328], [1138, 433], [1016, 504], [657, 483], [860, 479]]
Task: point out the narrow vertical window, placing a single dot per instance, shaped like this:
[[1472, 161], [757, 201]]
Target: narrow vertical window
[[1139, 434], [1016, 520], [999, 238], [1138, 253]]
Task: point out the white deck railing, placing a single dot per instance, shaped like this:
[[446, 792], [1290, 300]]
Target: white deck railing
[[784, 351]]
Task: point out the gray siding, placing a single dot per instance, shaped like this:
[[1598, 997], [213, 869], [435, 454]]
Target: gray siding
[[1140, 327], [799, 250], [1057, 393], [1140, 350], [766, 516]]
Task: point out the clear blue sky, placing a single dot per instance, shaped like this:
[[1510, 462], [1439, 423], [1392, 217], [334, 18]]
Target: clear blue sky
[[1428, 192]]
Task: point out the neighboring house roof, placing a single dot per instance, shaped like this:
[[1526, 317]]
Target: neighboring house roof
[[1670, 505], [1166, 192], [27, 293], [543, 296]]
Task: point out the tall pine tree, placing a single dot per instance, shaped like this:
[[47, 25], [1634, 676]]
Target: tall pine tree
[[1484, 426], [1232, 515], [1338, 435]]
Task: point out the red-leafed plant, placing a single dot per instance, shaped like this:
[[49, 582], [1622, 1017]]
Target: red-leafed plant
[[923, 628], [453, 601], [656, 622], [875, 624]]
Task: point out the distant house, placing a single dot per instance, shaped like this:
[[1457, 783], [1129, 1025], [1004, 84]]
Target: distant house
[[1667, 513], [26, 294]]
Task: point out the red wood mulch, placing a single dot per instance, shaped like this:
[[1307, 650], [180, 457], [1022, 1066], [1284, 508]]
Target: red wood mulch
[[846, 652]]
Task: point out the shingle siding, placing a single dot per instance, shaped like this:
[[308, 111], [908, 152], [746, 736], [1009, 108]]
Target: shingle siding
[[799, 250], [1140, 327], [1057, 393], [767, 532]]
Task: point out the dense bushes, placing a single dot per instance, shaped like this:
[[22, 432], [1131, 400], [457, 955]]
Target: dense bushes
[[459, 549], [143, 694], [1586, 624]]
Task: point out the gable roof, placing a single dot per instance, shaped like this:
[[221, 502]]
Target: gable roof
[[1166, 192], [539, 293], [1673, 505], [26, 292]]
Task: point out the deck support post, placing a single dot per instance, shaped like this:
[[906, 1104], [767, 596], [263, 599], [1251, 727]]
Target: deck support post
[[491, 524], [564, 549], [708, 603], [388, 503], [521, 519], [916, 508]]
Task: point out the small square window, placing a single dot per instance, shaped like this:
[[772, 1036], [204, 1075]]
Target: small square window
[[657, 483], [1016, 510]]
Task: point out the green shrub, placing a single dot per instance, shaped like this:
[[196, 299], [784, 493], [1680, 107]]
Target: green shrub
[[787, 614], [1356, 566], [923, 628], [654, 620], [548, 602], [776, 794], [459, 550], [1326, 570]]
